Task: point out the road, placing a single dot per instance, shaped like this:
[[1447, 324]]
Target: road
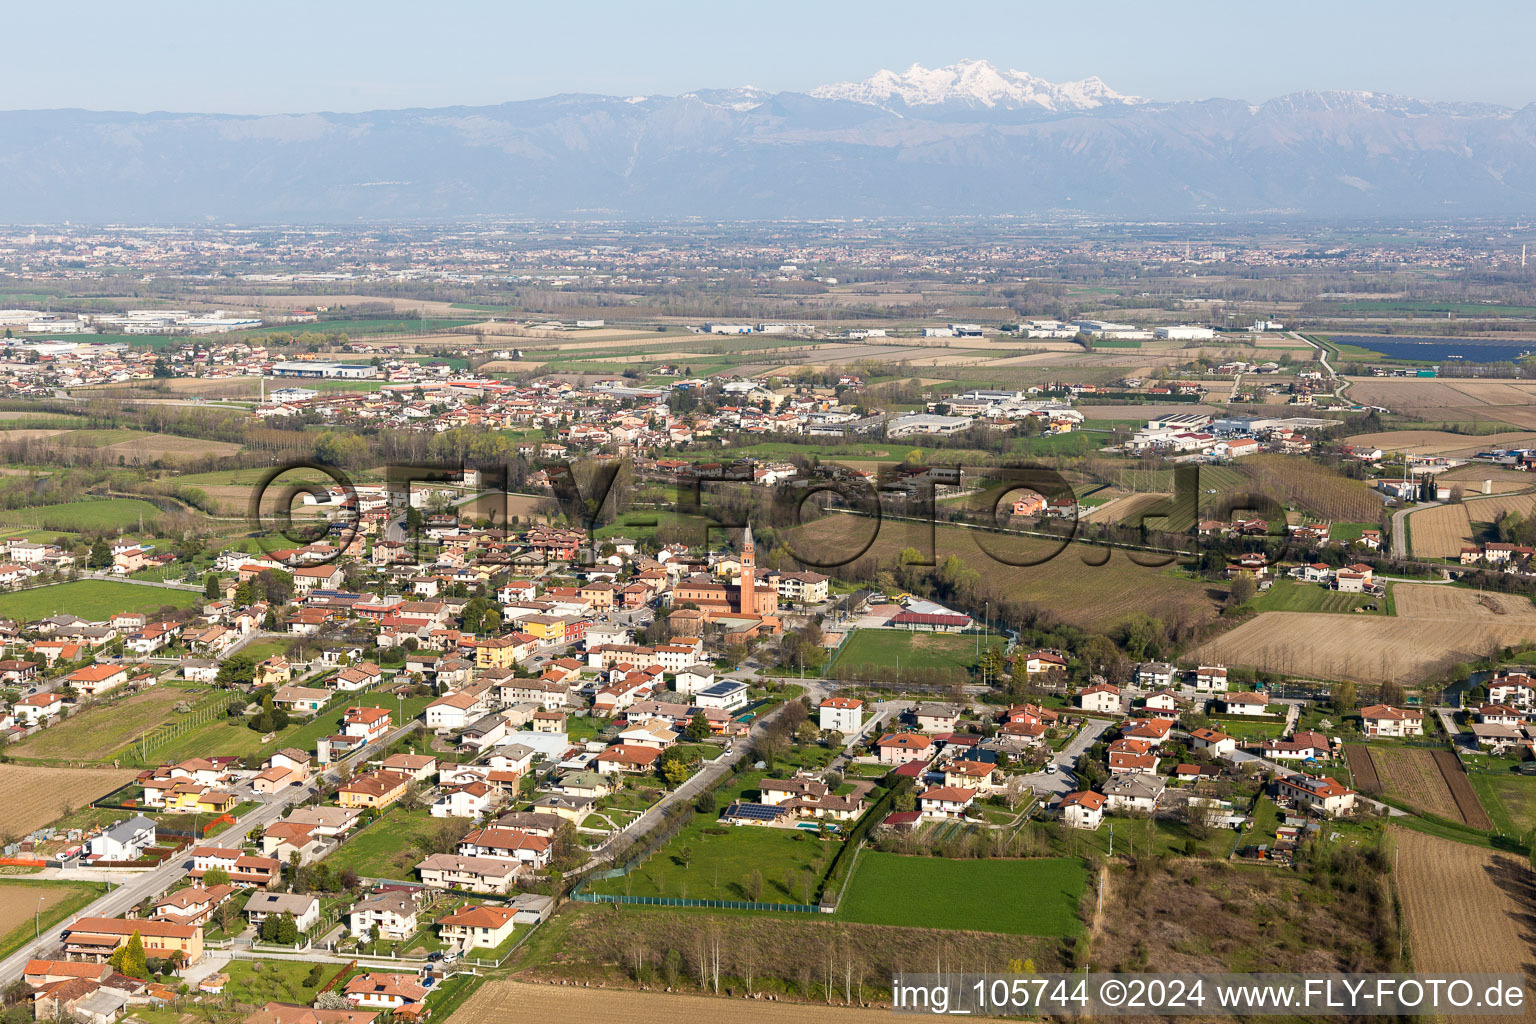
[[137, 888], [701, 780], [1400, 528], [1064, 779]]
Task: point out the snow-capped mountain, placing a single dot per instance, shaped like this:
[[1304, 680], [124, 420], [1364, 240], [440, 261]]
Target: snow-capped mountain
[[974, 84]]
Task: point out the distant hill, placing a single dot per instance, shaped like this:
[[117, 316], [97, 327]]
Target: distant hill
[[968, 139]]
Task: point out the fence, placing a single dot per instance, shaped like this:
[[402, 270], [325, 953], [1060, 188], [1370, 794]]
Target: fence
[[680, 901]]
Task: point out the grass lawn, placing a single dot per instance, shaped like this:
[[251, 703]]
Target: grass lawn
[[888, 648], [390, 847], [94, 600], [1249, 729], [100, 514], [1016, 897], [59, 901], [261, 981], [1509, 799], [1291, 596]]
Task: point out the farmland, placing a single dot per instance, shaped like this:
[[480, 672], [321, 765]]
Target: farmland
[[1435, 627], [97, 732], [1193, 915], [26, 906], [963, 894], [890, 649], [1466, 908], [101, 514], [1509, 799], [31, 796], [1091, 597], [93, 600], [1441, 442], [509, 1002], [1439, 532], [1505, 404]]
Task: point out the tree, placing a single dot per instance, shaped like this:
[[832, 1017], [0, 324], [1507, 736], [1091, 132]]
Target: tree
[[101, 555], [215, 877], [1344, 697], [1242, 592], [212, 588], [698, 726], [753, 886], [674, 772], [129, 958]]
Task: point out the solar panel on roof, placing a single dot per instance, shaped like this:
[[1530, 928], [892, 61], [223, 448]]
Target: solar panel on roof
[[756, 812]]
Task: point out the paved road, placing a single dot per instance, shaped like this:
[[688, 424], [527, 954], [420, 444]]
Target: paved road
[[701, 780], [137, 888], [1064, 779]]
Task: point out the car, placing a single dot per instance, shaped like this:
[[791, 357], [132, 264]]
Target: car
[[434, 956], [1050, 769]]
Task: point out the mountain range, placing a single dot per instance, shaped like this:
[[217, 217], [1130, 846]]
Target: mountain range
[[969, 139]]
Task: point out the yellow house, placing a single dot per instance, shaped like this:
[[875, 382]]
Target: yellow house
[[549, 629], [499, 652], [375, 789], [196, 800], [275, 671]]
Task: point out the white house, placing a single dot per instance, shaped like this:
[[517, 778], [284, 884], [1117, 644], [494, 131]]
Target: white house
[[841, 714], [1083, 809], [1244, 704], [1101, 697], [727, 695], [393, 913], [1135, 793], [1211, 678], [483, 927], [1213, 742], [38, 708], [127, 840], [945, 801], [1386, 721], [1318, 793]]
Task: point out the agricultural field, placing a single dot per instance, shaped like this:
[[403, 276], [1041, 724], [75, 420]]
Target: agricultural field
[[1467, 909], [1308, 485], [99, 514], [1435, 627], [1411, 775], [511, 1002], [27, 906], [889, 649], [1199, 916], [1128, 509], [962, 895], [99, 731], [1093, 597], [1509, 799], [1441, 442], [93, 600], [1510, 405], [1291, 596], [33, 796]]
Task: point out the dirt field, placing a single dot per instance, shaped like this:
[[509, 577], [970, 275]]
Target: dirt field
[[524, 505], [19, 902], [1467, 909], [31, 797], [1411, 775], [1435, 627], [1461, 790], [1439, 532], [1441, 442], [506, 1002], [1083, 595], [1125, 509], [1457, 401], [169, 448], [1362, 768]]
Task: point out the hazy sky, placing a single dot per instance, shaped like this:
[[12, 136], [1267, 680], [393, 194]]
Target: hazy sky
[[332, 55]]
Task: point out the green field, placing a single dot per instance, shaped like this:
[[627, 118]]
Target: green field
[[102, 514], [1509, 799], [99, 731], [233, 737], [93, 600], [258, 982], [1292, 596], [391, 846], [60, 900], [908, 650], [1016, 897]]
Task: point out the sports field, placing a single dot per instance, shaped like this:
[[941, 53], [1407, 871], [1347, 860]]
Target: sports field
[[92, 600], [907, 650], [1017, 897]]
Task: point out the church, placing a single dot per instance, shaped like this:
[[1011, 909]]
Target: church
[[744, 606]]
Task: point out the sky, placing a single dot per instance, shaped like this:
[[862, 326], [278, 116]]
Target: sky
[[339, 55]]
